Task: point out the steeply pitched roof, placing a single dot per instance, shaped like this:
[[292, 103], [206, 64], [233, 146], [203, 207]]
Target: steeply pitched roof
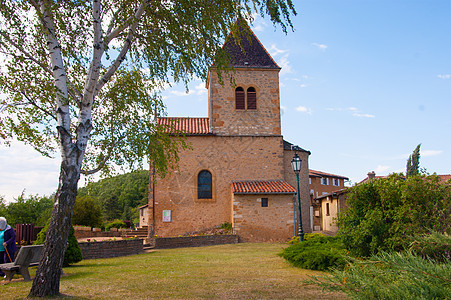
[[251, 53], [189, 126], [313, 173], [262, 187]]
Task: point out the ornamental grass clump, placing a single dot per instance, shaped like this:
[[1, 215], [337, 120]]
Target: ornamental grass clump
[[396, 275], [316, 252]]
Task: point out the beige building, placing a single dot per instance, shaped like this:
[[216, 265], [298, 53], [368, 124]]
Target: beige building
[[323, 187], [238, 170]]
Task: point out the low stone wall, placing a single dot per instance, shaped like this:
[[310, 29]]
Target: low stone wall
[[105, 249], [194, 241]]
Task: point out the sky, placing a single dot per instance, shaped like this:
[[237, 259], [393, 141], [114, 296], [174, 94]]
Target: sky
[[363, 82]]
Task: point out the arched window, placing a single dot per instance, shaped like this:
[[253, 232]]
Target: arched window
[[251, 98], [239, 98], [204, 185]]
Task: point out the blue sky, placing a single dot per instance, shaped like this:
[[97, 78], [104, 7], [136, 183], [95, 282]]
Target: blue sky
[[363, 82]]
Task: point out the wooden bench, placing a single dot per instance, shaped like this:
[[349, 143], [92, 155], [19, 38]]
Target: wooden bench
[[27, 256]]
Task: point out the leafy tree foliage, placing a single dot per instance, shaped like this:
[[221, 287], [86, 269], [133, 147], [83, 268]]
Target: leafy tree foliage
[[413, 163], [80, 77], [384, 214], [87, 212], [119, 195], [32, 210]]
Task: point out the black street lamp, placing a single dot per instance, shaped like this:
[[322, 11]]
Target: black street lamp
[[296, 164]]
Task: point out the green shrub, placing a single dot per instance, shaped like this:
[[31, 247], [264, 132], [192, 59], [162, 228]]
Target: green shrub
[[115, 224], [385, 214], [73, 252], [316, 252]]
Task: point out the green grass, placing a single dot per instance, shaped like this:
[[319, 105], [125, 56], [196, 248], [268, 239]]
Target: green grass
[[240, 271]]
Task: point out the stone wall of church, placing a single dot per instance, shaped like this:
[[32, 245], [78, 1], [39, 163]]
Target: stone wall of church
[[226, 120], [254, 223], [290, 177], [228, 159]]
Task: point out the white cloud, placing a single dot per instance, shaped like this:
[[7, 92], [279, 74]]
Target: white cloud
[[381, 169], [303, 85], [355, 111], [285, 65], [321, 47], [444, 76], [181, 94], [200, 89], [363, 115], [282, 110], [274, 51], [304, 109], [430, 152]]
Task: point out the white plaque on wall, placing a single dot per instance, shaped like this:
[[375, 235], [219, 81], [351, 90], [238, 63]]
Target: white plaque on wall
[[166, 216]]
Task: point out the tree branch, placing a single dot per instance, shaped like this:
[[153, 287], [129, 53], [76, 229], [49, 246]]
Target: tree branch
[[127, 44], [30, 101]]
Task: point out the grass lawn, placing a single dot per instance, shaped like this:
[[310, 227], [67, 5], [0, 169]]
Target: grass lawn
[[239, 271]]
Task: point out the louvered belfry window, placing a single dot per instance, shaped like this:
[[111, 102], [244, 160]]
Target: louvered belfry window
[[251, 98], [204, 185], [239, 98]]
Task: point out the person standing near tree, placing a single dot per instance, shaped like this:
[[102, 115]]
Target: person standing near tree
[[7, 243]]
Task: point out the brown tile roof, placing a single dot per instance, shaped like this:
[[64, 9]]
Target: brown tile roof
[[262, 187], [189, 126], [251, 53], [444, 178], [313, 173]]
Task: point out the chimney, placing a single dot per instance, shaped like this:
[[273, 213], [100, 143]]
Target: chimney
[[371, 175]]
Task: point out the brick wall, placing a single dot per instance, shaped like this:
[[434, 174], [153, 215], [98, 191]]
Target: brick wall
[[228, 159], [254, 223], [105, 249], [194, 241], [226, 120]]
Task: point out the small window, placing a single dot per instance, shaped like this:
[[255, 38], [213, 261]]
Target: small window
[[336, 182], [264, 202], [204, 185], [251, 98], [239, 98], [327, 209], [325, 181]]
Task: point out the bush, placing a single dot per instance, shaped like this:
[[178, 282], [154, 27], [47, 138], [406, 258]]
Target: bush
[[73, 252], [385, 214], [115, 224], [316, 252]]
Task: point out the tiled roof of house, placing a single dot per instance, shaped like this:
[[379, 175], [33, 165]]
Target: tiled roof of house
[[444, 178], [251, 53], [189, 126], [313, 173], [333, 194], [262, 187]]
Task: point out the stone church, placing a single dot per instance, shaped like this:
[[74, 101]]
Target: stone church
[[239, 168]]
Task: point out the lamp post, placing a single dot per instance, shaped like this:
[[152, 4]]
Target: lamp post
[[296, 165]]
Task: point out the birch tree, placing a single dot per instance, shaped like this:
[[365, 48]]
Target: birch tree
[[78, 78]]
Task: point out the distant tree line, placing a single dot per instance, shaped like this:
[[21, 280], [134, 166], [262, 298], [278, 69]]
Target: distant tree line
[[101, 202]]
